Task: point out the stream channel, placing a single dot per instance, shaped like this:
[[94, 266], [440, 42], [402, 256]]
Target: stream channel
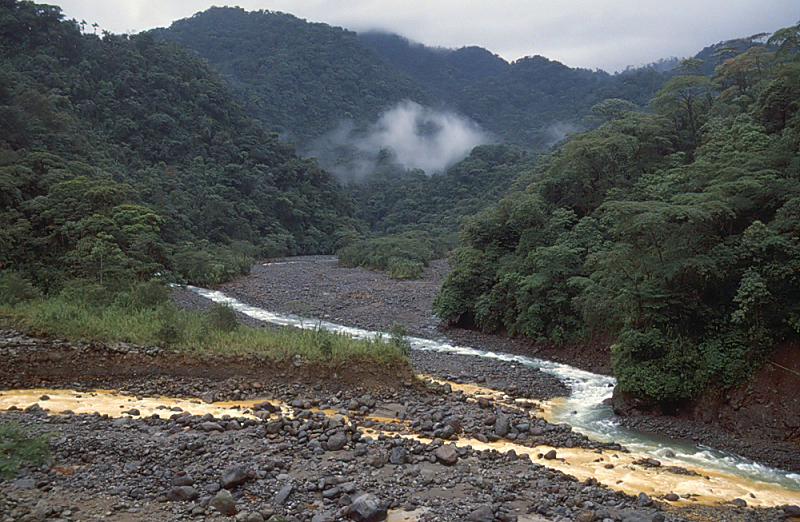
[[584, 410]]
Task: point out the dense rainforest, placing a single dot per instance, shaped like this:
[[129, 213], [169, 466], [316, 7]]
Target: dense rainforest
[[669, 219], [303, 79], [676, 230], [122, 157]]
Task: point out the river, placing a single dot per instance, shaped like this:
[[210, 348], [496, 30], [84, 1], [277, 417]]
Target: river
[[584, 409]]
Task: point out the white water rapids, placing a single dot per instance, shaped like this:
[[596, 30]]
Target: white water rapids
[[583, 409]]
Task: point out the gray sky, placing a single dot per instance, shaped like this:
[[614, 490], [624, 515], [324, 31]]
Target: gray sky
[[593, 34]]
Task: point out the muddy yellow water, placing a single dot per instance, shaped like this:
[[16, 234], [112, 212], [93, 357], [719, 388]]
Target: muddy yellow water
[[614, 469]]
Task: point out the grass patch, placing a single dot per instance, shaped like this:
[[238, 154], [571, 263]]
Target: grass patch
[[161, 324]]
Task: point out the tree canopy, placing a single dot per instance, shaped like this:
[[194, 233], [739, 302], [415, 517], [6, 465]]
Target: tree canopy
[[675, 229]]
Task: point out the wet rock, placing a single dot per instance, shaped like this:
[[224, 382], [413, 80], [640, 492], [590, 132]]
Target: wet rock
[[550, 455], [791, 510]]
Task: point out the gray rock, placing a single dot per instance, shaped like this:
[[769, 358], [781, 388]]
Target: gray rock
[[232, 477], [254, 516], [397, 455], [177, 494], [446, 455], [550, 455], [502, 425], [632, 516], [336, 421], [482, 514], [367, 508], [211, 426], [376, 459], [283, 495], [790, 510], [337, 441], [183, 480], [224, 503]]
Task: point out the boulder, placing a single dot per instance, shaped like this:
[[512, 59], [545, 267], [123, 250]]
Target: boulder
[[446, 455], [224, 503], [367, 508]]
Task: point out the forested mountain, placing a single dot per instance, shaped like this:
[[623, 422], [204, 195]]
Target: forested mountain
[[677, 231], [298, 79], [121, 157], [302, 79], [529, 103]]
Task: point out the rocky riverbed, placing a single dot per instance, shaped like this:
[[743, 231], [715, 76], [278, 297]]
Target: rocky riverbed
[[342, 447], [318, 287]]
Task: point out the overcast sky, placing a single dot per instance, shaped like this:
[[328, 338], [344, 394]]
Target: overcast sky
[[593, 34]]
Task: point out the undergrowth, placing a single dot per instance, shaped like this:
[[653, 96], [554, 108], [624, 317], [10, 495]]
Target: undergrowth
[[17, 447], [86, 313]]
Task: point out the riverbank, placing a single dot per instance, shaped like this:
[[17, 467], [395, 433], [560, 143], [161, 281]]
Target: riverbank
[[343, 443], [318, 287], [347, 431]]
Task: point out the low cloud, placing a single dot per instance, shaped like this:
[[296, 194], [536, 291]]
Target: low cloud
[[558, 131], [407, 134]]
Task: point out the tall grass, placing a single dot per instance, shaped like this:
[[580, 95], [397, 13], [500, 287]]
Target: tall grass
[[165, 326]]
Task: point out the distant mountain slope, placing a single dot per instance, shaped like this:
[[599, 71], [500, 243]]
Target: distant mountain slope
[[529, 103], [299, 79], [304, 79]]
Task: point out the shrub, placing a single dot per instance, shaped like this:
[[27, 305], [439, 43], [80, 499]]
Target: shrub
[[662, 366], [221, 317], [17, 447], [401, 256], [15, 288], [147, 296], [171, 327], [399, 337]]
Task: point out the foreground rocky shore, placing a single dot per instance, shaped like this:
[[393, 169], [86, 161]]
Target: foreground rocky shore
[[335, 453], [342, 447]]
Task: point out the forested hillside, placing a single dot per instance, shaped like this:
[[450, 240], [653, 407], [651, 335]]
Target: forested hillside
[[298, 79], [122, 157], [303, 80], [530, 103], [676, 230]]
